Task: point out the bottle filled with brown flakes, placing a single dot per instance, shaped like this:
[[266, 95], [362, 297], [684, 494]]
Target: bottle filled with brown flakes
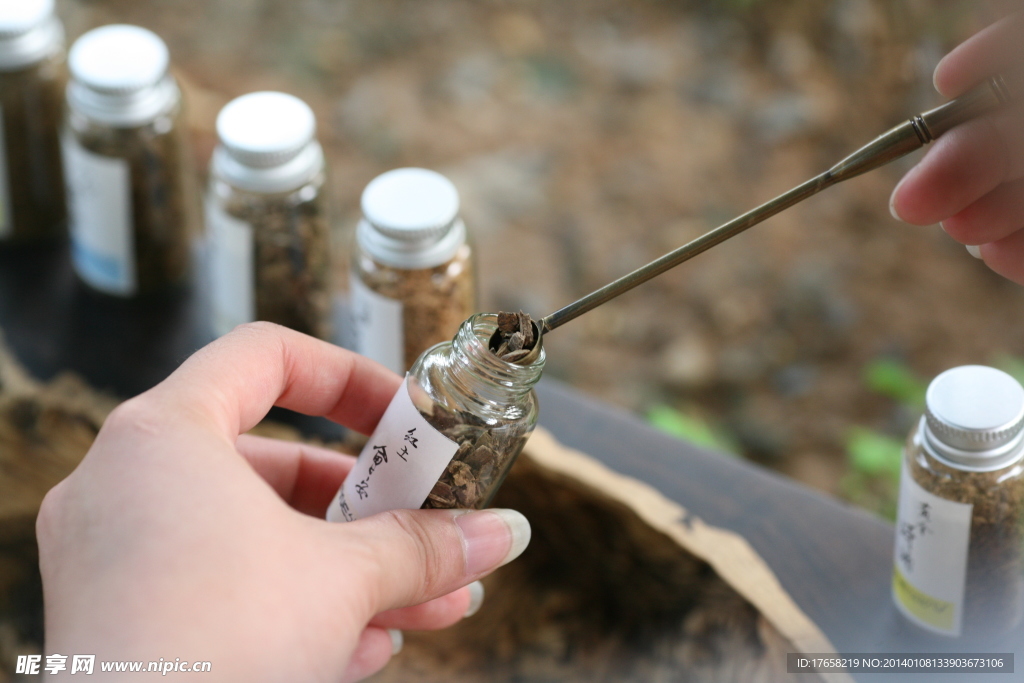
[[132, 203], [32, 79], [267, 217], [454, 428], [959, 568], [412, 280]]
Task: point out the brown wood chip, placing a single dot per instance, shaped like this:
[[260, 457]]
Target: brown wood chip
[[508, 322], [526, 327]]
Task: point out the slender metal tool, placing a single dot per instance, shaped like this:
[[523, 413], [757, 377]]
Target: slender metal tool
[[894, 144]]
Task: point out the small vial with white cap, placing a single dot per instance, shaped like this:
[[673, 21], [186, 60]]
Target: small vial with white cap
[[132, 205], [32, 76], [412, 281], [268, 217], [959, 568]]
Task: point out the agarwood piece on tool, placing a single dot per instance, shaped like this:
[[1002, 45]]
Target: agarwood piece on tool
[[515, 338]]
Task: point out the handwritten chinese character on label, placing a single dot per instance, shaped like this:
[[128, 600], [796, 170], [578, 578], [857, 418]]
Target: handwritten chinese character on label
[[381, 482]]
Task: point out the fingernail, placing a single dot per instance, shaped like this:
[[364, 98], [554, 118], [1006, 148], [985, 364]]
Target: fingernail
[[476, 598], [492, 538], [974, 250], [397, 640], [892, 203]]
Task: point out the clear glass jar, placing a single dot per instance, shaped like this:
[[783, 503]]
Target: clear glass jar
[[32, 78], [132, 200], [412, 281], [452, 432], [959, 560], [268, 217]]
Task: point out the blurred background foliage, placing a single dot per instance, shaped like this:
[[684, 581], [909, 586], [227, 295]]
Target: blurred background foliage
[[589, 136]]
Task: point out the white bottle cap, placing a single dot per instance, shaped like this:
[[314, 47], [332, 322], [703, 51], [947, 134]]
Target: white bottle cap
[[267, 143], [975, 417], [411, 219], [29, 32], [120, 75]]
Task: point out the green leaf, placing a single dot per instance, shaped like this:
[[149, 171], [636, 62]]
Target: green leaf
[[871, 493], [894, 379], [874, 454], [691, 428], [1012, 366]]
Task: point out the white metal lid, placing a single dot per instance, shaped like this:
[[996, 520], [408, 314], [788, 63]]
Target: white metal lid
[[29, 32], [20, 16], [411, 219], [975, 416], [264, 129], [120, 75], [267, 143]]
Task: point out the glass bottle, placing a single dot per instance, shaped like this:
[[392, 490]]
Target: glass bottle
[[32, 77], [412, 281], [267, 217], [132, 204], [451, 433], [960, 527]]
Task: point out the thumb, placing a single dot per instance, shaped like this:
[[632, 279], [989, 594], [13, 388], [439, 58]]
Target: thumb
[[418, 555]]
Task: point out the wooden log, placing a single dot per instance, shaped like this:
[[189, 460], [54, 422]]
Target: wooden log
[[618, 584]]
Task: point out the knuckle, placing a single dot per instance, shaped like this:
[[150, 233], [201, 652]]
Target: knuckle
[[48, 519], [260, 328], [424, 551], [130, 414], [144, 417]]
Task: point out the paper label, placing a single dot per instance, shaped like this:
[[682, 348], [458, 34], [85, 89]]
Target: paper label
[[377, 330], [100, 217], [398, 467], [232, 276], [932, 537], [6, 219]]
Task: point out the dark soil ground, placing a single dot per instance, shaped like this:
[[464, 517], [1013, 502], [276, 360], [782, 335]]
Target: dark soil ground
[[589, 136]]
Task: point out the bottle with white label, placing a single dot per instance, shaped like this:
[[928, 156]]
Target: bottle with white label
[[32, 77], [959, 568], [412, 281], [131, 201], [268, 217], [451, 433]]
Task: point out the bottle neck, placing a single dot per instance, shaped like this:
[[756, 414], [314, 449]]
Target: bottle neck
[[124, 109], [31, 47], [971, 461], [284, 177], [430, 251], [477, 372]]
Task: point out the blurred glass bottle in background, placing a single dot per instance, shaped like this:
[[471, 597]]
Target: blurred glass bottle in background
[[412, 279], [132, 204], [32, 77], [268, 217]]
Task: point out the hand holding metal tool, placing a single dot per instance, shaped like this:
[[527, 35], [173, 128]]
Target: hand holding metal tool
[[908, 137]]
